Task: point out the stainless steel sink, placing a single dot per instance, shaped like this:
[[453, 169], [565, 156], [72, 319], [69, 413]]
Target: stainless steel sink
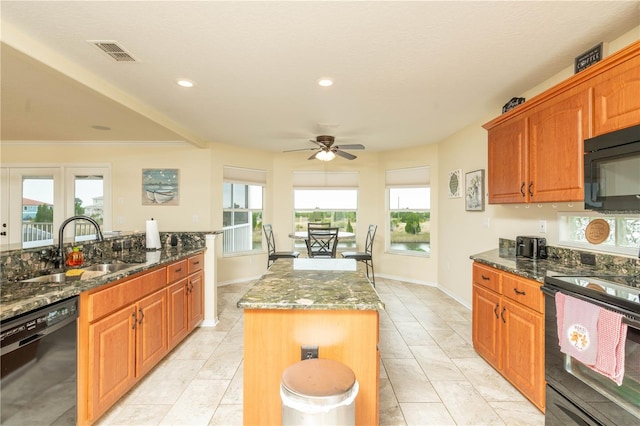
[[51, 278], [107, 268]]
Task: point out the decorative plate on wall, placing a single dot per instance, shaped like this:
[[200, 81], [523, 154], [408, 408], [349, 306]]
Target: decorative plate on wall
[[597, 231], [454, 183]]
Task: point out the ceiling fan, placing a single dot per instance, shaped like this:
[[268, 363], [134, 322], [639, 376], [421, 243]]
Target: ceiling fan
[[327, 151]]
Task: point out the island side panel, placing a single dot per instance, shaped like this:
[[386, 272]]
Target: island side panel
[[272, 341]]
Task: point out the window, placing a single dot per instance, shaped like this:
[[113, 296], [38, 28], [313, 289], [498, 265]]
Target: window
[[409, 211], [242, 210], [34, 205], [330, 197], [624, 232]]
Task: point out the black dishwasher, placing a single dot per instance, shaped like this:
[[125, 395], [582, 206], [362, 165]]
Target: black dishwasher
[[38, 365]]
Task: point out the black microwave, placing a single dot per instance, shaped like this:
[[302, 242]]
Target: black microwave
[[612, 171]]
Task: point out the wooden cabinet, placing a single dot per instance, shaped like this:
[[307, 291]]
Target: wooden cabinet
[[125, 344], [616, 99], [195, 297], [508, 328], [185, 297], [508, 162], [535, 152], [557, 130], [538, 156], [127, 327]]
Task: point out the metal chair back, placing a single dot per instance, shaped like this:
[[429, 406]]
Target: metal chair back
[[321, 241]]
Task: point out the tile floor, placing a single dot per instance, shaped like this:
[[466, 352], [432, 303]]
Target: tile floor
[[429, 375]]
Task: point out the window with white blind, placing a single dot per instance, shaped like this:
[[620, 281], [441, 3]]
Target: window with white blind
[[329, 197], [409, 211], [243, 192]]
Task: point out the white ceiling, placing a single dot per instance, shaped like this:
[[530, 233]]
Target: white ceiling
[[406, 73]]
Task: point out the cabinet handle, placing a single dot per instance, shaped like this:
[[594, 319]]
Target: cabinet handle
[[495, 310], [531, 189], [521, 293], [522, 189], [141, 315], [190, 288], [178, 270], [197, 262], [485, 278], [502, 315], [186, 288], [135, 320]]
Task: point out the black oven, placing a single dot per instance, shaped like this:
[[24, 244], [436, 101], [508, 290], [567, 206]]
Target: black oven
[[575, 394], [612, 171]]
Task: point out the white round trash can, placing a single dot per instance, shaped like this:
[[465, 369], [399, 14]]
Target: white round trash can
[[318, 392]]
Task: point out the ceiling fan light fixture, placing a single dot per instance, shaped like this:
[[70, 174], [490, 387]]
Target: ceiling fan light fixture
[[183, 82], [325, 82], [325, 155]]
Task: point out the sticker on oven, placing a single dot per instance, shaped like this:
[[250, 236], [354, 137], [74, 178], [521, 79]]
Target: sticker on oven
[[578, 336]]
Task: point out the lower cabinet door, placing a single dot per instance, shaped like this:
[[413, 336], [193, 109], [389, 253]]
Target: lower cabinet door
[[523, 357], [196, 299], [111, 359], [487, 325], [151, 331], [177, 323]]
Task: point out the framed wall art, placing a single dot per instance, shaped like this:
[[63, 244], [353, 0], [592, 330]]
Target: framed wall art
[[474, 191], [454, 183], [160, 187]]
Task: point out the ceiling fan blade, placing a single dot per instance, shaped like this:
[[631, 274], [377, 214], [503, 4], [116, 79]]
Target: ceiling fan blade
[[351, 146], [321, 145], [313, 157], [345, 154], [301, 149]]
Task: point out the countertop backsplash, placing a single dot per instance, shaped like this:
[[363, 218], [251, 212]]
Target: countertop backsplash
[[571, 257], [25, 263]]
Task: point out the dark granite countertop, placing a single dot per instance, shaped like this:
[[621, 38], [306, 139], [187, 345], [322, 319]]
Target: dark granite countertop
[[537, 269], [321, 284], [17, 297]]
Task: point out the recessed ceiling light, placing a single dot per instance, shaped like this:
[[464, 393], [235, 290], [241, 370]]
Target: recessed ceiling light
[[325, 82], [185, 83], [99, 127]]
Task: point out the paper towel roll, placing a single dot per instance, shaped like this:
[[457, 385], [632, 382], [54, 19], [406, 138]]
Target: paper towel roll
[[153, 235]]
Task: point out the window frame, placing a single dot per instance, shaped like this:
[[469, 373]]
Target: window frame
[[63, 196], [250, 212], [389, 211], [343, 244], [616, 249]]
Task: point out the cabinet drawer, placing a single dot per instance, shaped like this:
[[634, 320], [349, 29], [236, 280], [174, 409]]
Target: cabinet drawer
[[125, 293], [196, 263], [524, 291], [177, 271], [487, 277]]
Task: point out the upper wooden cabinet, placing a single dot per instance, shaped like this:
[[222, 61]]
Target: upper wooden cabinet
[[535, 152], [557, 130], [617, 98]]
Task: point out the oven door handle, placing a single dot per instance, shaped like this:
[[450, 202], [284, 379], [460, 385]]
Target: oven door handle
[[628, 317]]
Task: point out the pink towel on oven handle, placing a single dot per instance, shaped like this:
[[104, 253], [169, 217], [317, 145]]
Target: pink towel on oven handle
[[612, 334], [578, 328], [611, 345]]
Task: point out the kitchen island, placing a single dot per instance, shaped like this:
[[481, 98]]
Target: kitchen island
[[328, 303]]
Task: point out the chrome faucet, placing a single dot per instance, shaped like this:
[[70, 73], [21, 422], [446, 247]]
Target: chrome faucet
[[60, 254]]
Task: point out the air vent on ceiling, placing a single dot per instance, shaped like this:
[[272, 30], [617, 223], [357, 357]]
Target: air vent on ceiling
[[114, 50]]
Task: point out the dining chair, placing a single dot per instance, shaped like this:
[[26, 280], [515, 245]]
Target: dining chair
[[271, 244], [365, 256], [321, 241]]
